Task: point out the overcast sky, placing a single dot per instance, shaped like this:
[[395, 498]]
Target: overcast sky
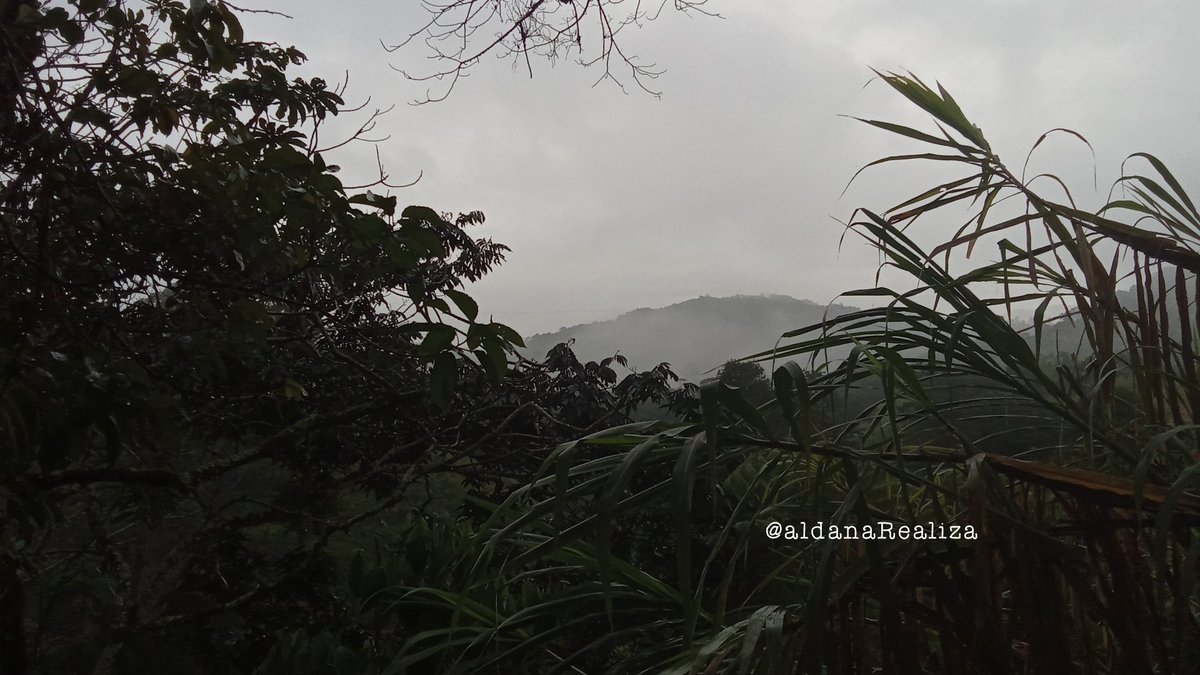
[[731, 181]]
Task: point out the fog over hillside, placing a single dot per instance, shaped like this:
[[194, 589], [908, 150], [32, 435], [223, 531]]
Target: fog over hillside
[[698, 335], [1067, 335], [694, 336]]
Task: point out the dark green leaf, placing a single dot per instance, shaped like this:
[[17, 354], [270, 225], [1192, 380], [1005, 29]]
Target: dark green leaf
[[443, 379]]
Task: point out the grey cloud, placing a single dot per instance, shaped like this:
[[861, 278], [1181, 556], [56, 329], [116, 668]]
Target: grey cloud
[[730, 182]]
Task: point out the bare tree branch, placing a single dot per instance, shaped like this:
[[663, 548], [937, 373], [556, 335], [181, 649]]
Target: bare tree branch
[[459, 33]]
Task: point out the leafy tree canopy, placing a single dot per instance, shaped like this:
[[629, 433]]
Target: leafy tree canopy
[[216, 359]]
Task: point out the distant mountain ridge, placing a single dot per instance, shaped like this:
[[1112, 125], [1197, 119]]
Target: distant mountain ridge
[[697, 336], [694, 336]]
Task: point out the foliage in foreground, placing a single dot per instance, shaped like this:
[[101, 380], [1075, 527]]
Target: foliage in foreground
[[223, 371], [642, 549]]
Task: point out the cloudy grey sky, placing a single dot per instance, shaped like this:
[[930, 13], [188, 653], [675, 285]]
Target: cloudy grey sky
[[731, 181]]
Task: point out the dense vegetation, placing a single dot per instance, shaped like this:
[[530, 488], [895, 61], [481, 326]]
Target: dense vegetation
[[223, 370], [250, 422]]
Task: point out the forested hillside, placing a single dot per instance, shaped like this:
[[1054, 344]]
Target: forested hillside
[[717, 329]]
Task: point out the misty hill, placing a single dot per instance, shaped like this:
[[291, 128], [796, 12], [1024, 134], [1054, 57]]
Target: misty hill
[[694, 336], [1067, 336]]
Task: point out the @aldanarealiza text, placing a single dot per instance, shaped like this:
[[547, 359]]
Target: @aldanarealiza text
[[879, 530]]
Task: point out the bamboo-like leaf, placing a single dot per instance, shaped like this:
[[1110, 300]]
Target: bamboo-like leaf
[[607, 509], [684, 479], [1174, 503], [788, 379]]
